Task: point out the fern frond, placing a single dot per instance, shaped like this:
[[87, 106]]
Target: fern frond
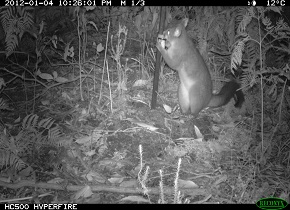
[[248, 79], [8, 159], [30, 121], [239, 13], [54, 133], [236, 57], [14, 26], [274, 9], [27, 20], [11, 43], [267, 22], [282, 25], [3, 105], [46, 123], [247, 18]]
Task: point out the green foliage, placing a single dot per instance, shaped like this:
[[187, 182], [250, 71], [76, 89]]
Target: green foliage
[[33, 135], [260, 36], [15, 21], [245, 41], [9, 159]]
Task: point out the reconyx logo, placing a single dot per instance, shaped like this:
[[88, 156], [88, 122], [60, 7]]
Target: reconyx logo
[[271, 203]]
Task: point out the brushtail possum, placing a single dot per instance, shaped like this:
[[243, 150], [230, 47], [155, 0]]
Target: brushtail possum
[[195, 89]]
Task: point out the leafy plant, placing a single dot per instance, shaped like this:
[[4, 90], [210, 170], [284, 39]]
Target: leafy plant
[[15, 21], [33, 135], [251, 50]]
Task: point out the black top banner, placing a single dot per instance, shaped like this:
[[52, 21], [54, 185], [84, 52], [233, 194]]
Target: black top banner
[[123, 3]]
